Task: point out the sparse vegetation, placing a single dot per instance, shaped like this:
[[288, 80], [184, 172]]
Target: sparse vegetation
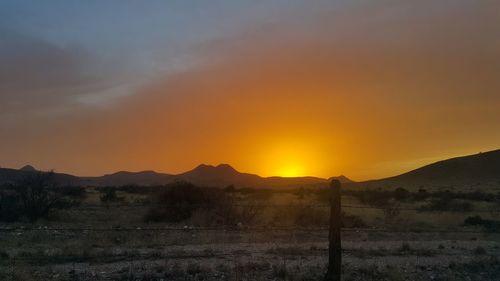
[[283, 255], [488, 225], [33, 196], [177, 202], [379, 197], [446, 204], [109, 195]]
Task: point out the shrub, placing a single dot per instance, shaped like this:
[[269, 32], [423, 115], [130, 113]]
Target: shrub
[[310, 216], [33, 196], [77, 192], [10, 209], [446, 204], [421, 195], [227, 212], [488, 225], [401, 194], [391, 210], [178, 201], [474, 220], [377, 198], [136, 189], [109, 195]]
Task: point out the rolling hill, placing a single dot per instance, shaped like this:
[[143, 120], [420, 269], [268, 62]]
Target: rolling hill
[[466, 172], [8, 175], [127, 178]]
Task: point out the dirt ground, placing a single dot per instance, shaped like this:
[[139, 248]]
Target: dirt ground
[[146, 254]]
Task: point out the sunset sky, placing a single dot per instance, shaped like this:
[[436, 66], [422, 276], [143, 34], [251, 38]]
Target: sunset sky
[[363, 88]]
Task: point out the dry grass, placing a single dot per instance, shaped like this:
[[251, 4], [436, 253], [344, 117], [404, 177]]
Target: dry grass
[[245, 255]]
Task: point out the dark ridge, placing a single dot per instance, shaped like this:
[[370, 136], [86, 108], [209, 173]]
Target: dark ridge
[[28, 168], [475, 171]]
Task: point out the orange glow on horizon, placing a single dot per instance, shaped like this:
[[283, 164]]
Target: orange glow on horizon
[[364, 100], [289, 158]]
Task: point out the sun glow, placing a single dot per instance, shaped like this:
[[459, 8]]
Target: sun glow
[[290, 159], [291, 170]]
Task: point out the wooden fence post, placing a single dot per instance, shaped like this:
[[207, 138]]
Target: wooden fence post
[[334, 247]]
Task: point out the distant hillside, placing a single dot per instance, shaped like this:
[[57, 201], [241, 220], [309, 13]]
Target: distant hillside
[[221, 175], [11, 175], [342, 179], [481, 169], [126, 178], [224, 174], [28, 168], [478, 172], [203, 175]]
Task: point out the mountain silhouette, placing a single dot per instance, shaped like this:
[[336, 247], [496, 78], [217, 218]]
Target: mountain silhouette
[[8, 175], [221, 175], [224, 174], [473, 171], [128, 178], [342, 179], [204, 175], [482, 169], [28, 168]]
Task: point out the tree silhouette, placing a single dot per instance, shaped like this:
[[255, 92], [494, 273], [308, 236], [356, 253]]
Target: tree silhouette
[[37, 194]]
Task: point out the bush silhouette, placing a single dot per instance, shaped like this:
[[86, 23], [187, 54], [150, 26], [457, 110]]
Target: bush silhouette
[[109, 195], [33, 196], [178, 201]]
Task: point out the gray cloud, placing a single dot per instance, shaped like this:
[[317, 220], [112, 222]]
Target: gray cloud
[[38, 77]]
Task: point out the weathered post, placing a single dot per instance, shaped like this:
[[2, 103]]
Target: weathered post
[[334, 247]]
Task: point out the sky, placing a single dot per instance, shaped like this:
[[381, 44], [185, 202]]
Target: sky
[[363, 88]]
